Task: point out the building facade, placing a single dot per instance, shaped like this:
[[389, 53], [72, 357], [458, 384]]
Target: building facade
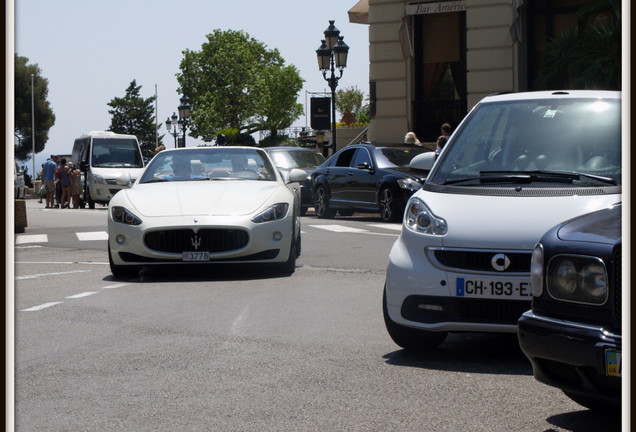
[[431, 62]]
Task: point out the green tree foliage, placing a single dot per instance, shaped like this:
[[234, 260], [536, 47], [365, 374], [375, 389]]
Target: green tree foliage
[[349, 101], [587, 56], [44, 116], [135, 115], [235, 82]]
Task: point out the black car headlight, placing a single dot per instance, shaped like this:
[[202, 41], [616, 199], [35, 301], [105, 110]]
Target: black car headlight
[[277, 211], [409, 184], [122, 215], [419, 218], [579, 279]]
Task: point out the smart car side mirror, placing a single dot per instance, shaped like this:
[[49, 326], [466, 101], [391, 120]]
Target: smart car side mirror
[[423, 161]]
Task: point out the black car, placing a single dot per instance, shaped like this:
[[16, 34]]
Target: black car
[[572, 335], [287, 158], [367, 178]]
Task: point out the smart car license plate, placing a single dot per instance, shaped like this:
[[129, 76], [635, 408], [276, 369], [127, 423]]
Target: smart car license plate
[[493, 288], [613, 365], [196, 256]]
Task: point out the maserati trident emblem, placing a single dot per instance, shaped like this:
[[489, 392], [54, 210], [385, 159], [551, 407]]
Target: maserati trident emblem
[[196, 242], [500, 262]]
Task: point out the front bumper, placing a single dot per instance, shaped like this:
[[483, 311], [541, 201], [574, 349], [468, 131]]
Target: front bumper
[[268, 242], [571, 356]]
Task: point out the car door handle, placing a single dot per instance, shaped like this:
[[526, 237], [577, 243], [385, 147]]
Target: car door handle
[[350, 173]]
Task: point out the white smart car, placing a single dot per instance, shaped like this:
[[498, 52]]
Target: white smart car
[[206, 205], [517, 165]]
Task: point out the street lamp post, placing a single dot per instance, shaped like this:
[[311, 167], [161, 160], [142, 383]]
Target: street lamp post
[[332, 54], [171, 125], [179, 127]]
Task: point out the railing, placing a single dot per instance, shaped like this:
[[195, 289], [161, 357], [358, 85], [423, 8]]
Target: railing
[[360, 138]]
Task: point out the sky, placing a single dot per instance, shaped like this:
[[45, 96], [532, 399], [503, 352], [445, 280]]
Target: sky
[[90, 51]]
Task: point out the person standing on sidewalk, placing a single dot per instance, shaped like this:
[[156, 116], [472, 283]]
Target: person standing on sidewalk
[[48, 176]]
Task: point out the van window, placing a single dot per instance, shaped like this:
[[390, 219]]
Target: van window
[[116, 153]]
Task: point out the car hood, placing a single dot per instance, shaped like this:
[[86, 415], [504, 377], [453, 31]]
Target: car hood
[[212, 198], [408, 172], [506, 222], [603, 226]]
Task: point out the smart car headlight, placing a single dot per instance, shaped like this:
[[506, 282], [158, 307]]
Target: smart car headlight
[[277, 211], [409, 184], [578, 279], [122, 215], [419, 218]]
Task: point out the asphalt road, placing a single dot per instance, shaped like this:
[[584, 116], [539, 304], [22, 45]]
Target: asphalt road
[[236, 349]]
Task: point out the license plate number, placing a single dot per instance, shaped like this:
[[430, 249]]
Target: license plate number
[[196, 256], [489, 288], [613, 366]]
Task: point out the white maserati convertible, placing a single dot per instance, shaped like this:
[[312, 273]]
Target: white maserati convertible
[[205, 205]]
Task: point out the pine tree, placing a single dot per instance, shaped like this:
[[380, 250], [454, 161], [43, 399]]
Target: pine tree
[[135, 115]]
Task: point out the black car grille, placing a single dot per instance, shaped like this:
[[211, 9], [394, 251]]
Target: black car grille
[[210, 240], [482, 261]]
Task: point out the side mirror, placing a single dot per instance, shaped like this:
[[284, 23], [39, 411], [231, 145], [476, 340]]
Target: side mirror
[[423, 161], [364, 166], [297, 175]]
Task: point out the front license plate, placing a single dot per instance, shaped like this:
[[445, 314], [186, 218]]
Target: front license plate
[[613, 365], [489, 288], [196, 256]]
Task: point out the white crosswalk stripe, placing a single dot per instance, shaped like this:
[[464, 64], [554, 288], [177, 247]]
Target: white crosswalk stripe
[[24, 239], [89, 236], [31, 238]]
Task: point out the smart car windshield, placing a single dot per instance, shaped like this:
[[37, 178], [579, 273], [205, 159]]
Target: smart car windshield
[[556, 141], [209, 163]]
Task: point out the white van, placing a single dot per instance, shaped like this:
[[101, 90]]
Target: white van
[[517, 165], [109, 162]]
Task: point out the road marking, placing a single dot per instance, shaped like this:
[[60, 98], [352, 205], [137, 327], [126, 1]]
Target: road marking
[[34, 276], [31, 238], [394, 227], [115, 286], [338, 228], [40, 307], [90, 236], [80, 295]]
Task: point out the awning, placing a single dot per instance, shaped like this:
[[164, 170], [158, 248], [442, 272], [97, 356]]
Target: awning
[[359, 14]]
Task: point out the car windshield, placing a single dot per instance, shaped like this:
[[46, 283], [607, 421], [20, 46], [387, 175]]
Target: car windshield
[[567, 140], [209, 163], [116, 153], [395, 157], [288, 159]]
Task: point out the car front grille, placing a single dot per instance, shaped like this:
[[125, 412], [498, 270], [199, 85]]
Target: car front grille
[[482, 261], [209, 240]]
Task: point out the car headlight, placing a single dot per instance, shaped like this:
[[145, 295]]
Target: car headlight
[[98, 179], [578, 279], [277, 211], [122, 215], [536, 271], [409, 184], [419, 218]]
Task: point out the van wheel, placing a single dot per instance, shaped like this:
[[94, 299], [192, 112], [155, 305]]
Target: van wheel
[[410, 338], [89, 200]]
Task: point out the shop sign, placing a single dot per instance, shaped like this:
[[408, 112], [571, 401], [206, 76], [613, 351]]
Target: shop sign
[[436, 7]]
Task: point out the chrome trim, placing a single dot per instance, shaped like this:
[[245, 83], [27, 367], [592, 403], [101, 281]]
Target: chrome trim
[[531, 315]]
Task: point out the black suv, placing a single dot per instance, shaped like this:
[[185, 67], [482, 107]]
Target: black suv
[[572, 335]]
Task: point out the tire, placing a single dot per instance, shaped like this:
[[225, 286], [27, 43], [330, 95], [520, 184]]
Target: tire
[[321, 204], [122, 272], [410, 338], [388, 208], [593, 404], [289, 266], [89, 200]]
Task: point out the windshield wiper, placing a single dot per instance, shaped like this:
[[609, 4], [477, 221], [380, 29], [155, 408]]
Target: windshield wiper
[[517, 177]]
